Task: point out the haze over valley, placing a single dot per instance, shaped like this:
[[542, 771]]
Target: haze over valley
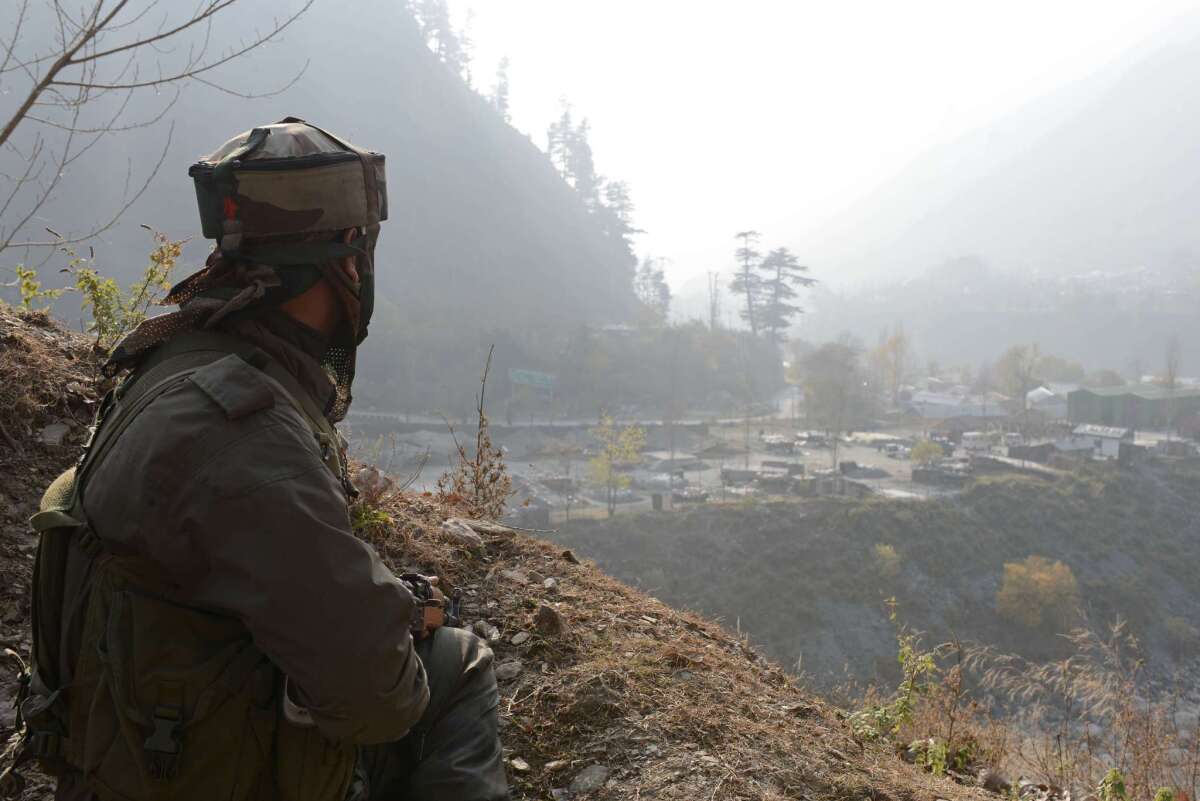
[[863, 338]]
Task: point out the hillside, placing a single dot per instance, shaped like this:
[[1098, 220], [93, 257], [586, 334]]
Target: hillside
[[1076, 181], [478, 215], [803, 580], [627, 684]]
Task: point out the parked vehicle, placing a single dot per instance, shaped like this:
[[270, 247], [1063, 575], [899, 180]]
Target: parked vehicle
[[977, 441]]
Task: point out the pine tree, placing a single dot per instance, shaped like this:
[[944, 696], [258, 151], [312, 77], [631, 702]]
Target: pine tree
[[558, 140], [746, 280], [451, 47], [581, 166], [782, 274], [500, 90], [652, 291]]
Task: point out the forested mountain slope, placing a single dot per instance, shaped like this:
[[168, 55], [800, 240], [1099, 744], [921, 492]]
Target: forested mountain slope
[[485, 242]]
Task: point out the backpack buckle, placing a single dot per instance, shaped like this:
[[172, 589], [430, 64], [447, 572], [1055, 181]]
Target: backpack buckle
[[164, 746]]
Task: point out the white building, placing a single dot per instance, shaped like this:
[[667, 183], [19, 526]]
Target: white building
[[1105, 441], [1047, 401]]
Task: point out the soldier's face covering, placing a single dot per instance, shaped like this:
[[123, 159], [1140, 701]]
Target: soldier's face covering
[[356, 287]]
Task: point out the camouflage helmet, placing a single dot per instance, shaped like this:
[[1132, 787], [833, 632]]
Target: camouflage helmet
[[290, 178], [268, 195]]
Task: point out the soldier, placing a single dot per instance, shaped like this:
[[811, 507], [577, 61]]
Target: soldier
[[206, 624]]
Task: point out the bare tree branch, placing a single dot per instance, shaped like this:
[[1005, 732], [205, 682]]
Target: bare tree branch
[[10, 48], [136, 52], [193, 72], [214, 7], [95, 232], [62, 61]]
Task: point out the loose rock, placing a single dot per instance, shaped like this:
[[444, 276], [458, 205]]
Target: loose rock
[[519, 765], [570, 556], [515, 576], [507, 671], [520, 637], [55, 433], [458, 531], [993, 781], [550, 622], [590, 778]]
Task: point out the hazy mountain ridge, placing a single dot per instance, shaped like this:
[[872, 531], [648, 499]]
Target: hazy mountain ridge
[[1099, 174]]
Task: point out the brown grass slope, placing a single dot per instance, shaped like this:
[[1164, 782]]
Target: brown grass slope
[[671, 705]]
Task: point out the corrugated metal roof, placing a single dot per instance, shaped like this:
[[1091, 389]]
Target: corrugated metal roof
[[1106, 432], [1143, 391]]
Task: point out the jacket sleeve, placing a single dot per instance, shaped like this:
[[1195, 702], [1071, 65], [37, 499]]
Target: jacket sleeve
[[269, 531]]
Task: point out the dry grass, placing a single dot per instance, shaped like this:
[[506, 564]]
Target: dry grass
[[1064, 724], [46, 376], [1096, 711]]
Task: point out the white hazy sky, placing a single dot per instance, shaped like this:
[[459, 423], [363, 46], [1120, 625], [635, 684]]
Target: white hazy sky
[[773, 115]]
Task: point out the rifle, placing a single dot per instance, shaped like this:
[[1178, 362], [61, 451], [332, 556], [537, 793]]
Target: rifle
[[433, 609]]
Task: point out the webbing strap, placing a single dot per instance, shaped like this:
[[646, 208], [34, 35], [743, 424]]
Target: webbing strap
[[286, 254], [230, 238]]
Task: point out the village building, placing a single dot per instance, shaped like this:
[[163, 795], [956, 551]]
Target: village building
[[1142, 407], [1049, 400], [944, 405], [1104, 441]]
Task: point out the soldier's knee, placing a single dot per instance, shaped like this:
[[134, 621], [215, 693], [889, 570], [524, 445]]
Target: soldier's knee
[[459, 667], [457, 651]]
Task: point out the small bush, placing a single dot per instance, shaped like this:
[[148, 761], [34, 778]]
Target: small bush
[[885, 560], [1038, 593], [114, 311], [926, 452], [479, 482]]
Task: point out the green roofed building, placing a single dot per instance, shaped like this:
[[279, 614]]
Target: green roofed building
[[1143, 406]]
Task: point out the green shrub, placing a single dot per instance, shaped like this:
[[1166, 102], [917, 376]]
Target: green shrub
[[115, 311]]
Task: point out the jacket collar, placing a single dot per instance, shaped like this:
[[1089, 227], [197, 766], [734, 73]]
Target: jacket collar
[[298, 348]]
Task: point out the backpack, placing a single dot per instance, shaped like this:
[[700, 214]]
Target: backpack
[[163, 701]]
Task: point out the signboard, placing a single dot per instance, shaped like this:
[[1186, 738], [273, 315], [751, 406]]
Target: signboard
[[532, 378]]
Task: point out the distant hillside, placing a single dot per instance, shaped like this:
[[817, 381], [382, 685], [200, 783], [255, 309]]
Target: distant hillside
[[483, 236], [803, 580], [1102, 174]]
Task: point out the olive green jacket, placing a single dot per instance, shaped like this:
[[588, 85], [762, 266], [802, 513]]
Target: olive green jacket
[[221, 484]]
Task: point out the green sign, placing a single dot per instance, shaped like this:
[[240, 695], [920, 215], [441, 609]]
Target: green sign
[[532, 378]]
